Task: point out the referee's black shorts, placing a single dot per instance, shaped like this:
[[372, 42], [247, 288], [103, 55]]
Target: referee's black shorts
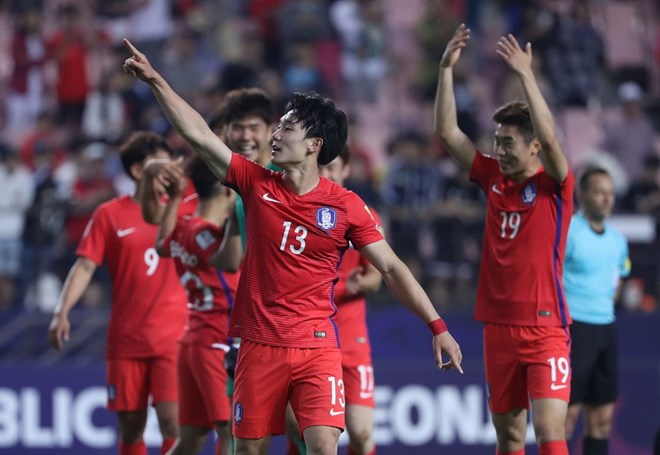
[[594, 363]]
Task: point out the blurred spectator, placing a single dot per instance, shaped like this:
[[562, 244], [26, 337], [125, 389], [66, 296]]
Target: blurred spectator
[[629, 134], [361, 28], [68, 47], [182, 52], [412, 186], [90, 188], [43, 224], [25, 98], [15, 198], [301, 73], [150, 26], [44, 135], [104, 117], [643, 196], [572, 53]]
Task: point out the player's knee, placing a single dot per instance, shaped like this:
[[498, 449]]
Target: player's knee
[[361, 439], [322, 446], [169, 427], [547, 431]]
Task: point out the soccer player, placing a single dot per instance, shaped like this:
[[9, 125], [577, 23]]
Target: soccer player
[[356, 277], [519, 297], [195, 244], [298, 225], [596, 261], [147, 314]]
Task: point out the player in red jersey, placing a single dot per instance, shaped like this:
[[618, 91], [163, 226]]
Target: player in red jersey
[[147, 315], [519, 297], [194, 242], [298, 226], [356, 277]]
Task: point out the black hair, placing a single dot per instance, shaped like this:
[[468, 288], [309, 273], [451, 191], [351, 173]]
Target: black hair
[[586, 176], [241, 103], [516, 114], [319, 117], [140, 146], [205, 181]]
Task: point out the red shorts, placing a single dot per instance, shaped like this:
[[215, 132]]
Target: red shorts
[[524, 363], [358, 379], [203, 396], [268, 377], [130, 382]]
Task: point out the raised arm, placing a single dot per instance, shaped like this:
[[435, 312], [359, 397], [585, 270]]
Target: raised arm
[[186, 120], [168, 221], [520, 62], [445, 120], [403, 285]]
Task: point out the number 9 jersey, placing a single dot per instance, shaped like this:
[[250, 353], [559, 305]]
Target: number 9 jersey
[[520, 277], [148, 310]]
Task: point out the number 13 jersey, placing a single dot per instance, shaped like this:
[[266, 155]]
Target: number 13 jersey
[[294, 247], [520, 277]]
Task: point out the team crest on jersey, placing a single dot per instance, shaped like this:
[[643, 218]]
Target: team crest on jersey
[[528, 194], [204, 239], [326, 218], [238, 412]]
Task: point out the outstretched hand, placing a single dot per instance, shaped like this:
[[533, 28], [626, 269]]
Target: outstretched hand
[[444, 343], [138, 65], [455, 46], [517, 59]]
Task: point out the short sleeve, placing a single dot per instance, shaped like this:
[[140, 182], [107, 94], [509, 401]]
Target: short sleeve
[[483, 170], [364, 227], [94, 240]]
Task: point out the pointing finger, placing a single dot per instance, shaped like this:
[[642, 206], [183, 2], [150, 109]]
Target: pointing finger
[[133, 49]]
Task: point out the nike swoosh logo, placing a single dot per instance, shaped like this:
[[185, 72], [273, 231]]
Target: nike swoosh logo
[[554, 386], [495, 190], [124, 232], [335, 413], [268, 198]]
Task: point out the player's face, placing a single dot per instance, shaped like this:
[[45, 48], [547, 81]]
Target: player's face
[[289, 143], [336, 171], [514, 155], [598, 199], [250, 136]]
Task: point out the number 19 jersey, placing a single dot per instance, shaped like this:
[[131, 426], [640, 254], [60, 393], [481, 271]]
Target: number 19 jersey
[[294, 246], [520, 276]]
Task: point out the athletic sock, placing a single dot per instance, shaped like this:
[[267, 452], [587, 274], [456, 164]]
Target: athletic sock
[[218, 447], [137, 448], [166, 445], [554, 448], [593, 446]]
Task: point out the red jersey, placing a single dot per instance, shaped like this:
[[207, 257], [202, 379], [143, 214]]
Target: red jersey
[[523, 250], [191, 244], [352, 310], [294, 244], [147, 314]]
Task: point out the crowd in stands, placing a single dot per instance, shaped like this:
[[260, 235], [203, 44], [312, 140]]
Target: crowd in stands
[[67, 105]]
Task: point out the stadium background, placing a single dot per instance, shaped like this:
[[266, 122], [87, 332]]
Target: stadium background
[[378, 60]]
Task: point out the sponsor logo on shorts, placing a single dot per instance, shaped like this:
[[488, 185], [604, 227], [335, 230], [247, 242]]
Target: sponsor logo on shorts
[[238, 412], [545, 313], [112, 392], [335, 413], [320, 335], [554, 386]]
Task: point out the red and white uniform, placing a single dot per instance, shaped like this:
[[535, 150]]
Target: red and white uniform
[[294, 244], [147, 314], [520, 296], [202, 376], [523, 251], [284, 306]]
